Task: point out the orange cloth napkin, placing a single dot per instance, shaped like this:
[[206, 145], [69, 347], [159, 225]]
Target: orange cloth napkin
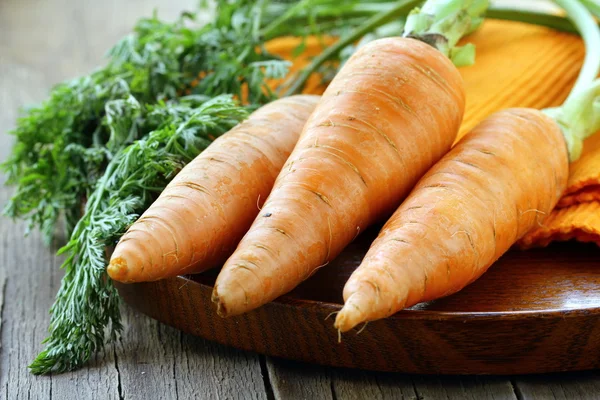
[[520, 65]]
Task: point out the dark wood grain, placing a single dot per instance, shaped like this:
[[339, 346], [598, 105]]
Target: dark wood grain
[[535, 311]]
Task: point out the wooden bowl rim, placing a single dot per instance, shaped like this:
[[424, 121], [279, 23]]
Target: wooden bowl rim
[[416, 314]]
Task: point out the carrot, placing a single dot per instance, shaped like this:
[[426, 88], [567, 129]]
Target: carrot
[[392, 111], [202, 214], [499, 182]]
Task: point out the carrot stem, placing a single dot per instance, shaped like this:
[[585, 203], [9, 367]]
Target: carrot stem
[[443, 23], [586, 25], [593, 6], [555, 22], [579, 116]]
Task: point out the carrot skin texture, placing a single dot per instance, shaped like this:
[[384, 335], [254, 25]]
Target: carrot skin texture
[[391, 112], [205, 210], [500, 181]]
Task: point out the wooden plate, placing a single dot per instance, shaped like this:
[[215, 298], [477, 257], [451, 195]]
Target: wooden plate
[[534, 311]]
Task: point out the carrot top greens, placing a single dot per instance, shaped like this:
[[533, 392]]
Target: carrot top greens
[[87, 301]]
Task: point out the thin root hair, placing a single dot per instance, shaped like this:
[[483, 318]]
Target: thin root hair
[[357, 233], [330, 239], [533, 210], [330, 314], [363, 328], [316, 269]]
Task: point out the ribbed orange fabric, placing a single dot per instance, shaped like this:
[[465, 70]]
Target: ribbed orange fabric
[[520, 65], [581, 222]]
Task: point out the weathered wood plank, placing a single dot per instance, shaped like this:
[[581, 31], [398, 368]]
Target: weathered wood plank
[[210, 370], [296, 380], [570, 386], [464, 387], [356, 385], [32, 274], [290, 379], [32, 279], [159, 362]]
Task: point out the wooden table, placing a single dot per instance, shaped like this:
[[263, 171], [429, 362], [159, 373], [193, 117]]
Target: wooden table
[[43, 42]]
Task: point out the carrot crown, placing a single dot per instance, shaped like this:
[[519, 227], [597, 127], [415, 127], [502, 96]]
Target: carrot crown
[[442, 23], [579, 116]]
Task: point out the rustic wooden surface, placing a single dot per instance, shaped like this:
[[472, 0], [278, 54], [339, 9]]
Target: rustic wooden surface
[[45, 41]]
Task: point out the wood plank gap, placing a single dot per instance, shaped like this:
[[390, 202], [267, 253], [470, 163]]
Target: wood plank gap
[[333, 393], [119, 386], [414, 386], [3, 280], [516, 389], [264, 371], [175, 361]]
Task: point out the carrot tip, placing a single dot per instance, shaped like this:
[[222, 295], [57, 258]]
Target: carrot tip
[[342, 322], [351, 314], [117, 269], [221, 309]]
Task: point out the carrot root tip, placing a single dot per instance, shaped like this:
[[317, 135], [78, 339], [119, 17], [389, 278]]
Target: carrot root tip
[[352, 313], [117, 269], [342, 322], [221, 308]]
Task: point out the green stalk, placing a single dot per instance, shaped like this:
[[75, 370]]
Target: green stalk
[[586, 25], [442, 23], [555, 22], [274, 25], [401, 8], [579, 116], [593, 6], [297, 15]]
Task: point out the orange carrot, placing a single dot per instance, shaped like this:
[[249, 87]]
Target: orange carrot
[[392, 111], [202, 214], [499, 182]]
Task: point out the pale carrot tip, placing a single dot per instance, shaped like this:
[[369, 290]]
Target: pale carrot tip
[[117, 269], [221, 309], [343, 322]]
